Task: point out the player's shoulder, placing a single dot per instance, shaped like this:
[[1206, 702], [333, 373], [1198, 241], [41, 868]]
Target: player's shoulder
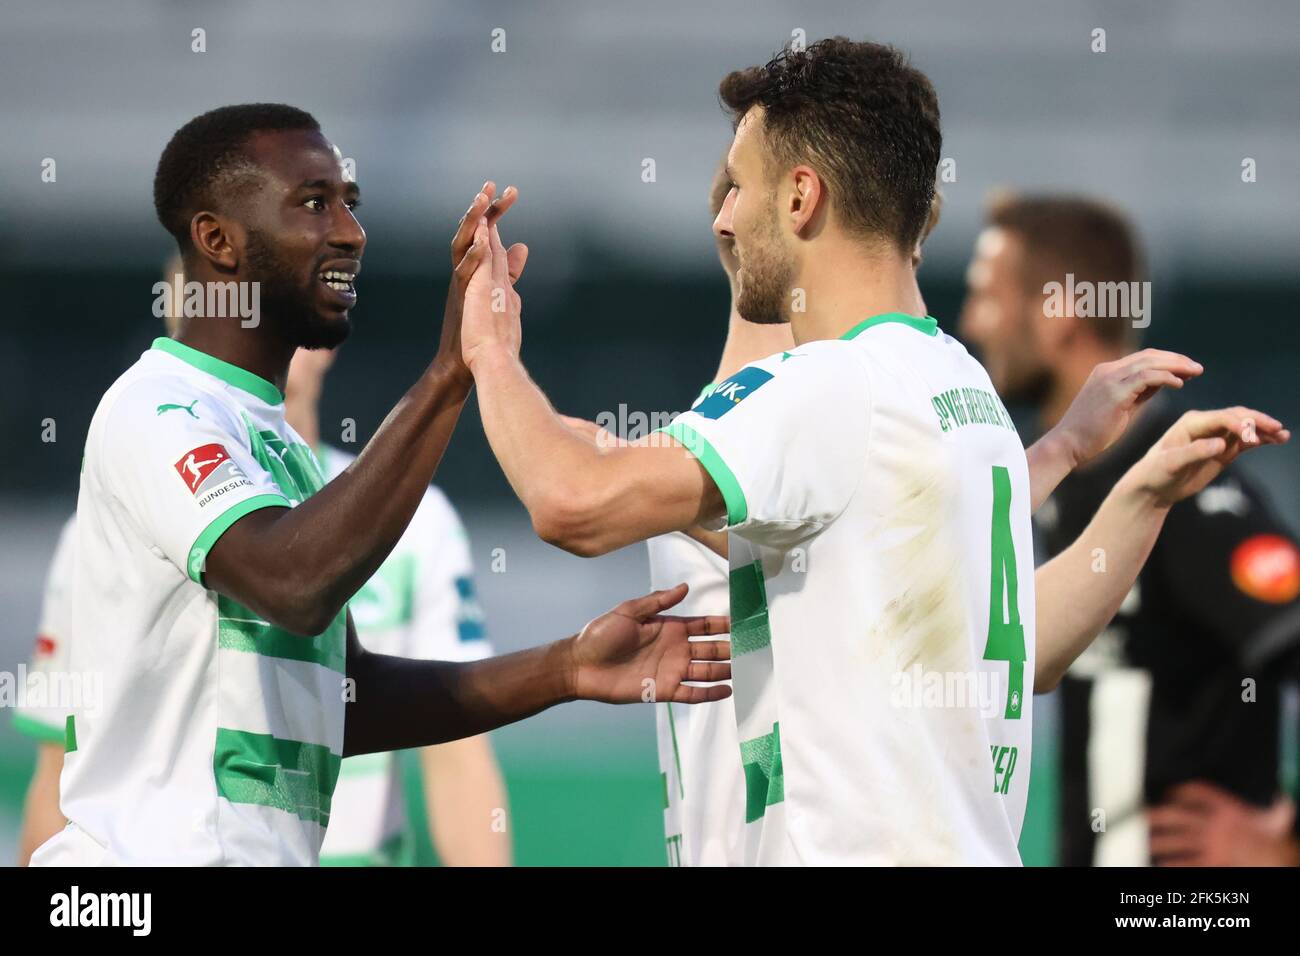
[[800, 373], [157, 392]]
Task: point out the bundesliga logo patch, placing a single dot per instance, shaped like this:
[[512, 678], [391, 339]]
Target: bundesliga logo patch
[[207, 467]]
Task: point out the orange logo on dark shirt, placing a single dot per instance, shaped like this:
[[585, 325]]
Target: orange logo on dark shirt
[[1267, 567]]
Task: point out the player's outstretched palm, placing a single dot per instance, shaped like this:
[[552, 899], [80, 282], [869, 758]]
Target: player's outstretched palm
[[1199, 446], [1112, 395], [636, 653]]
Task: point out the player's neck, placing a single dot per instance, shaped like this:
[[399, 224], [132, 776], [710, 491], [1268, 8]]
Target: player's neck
[[748, 342], [842, 285], [253, 349]]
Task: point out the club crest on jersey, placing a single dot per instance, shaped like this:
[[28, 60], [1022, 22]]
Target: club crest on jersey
[[208, 470], [733, 391]]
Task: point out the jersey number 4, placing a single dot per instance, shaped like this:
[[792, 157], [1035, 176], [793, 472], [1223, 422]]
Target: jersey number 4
[[1006, 640]]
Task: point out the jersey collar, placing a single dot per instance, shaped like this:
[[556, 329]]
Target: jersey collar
[[241, 378], [928, 325]]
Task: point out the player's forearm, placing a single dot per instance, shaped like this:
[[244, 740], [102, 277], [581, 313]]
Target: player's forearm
[[298, 567], [466, 799], [42, 817], [401, 703], [1050, 461], [1079, 591]]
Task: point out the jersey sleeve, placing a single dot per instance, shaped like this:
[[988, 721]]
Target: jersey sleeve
[[37, 716], [447, 622], [182, 468], [784, 440], [1233, 564]]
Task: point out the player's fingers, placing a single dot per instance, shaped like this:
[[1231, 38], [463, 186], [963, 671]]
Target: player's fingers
[[708, 671], [1155, 378], [499, 206], [710, 624], [1172, 818], [472, 259], [690, 694], [500, 266], [1203, 449], [516, 258], [654, 602], [1174, 362], [1174, 844], [711, 650], [1232, 420], [464, 236]]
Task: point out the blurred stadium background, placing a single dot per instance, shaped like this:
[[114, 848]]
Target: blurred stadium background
[[624, 302]]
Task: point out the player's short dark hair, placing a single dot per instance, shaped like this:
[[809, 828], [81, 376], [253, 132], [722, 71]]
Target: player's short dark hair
[[1092, 239], [207, 152], [859, 114]]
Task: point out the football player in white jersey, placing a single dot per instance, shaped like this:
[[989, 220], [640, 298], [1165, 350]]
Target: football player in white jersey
[[212, 563], [884, 631]]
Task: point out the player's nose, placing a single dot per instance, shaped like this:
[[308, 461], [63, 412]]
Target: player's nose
[[722, 224], [346, 232]]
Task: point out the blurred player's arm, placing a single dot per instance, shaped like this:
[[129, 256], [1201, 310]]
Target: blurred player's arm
[[1079, 590], [41, 815], [297, 567], [466, 797], [1100, 413], [632, 654]]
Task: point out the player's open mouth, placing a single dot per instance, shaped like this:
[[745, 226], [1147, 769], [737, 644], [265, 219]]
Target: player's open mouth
[[341, 282]]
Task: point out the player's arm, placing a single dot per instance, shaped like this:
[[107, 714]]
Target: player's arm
[[1079, 590], [1100, 413], [41, 815], [633, 653], [297, 567], [585, 499], [466, 797]]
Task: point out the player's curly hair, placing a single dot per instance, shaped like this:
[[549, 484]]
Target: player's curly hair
[[862, 117], [207, 153]]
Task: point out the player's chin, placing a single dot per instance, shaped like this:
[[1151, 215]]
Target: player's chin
[[326, 330]]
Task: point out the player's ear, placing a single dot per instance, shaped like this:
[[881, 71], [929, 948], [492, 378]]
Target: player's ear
[[211, 238], [806, 199]]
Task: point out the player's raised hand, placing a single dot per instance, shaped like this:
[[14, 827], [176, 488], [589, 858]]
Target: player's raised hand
[[1198, 447], [492, 306], [1113, 393], [637, 654], [466, 255]]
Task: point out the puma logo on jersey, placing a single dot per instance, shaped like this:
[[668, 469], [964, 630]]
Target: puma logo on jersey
[[733, 391], [168, 406]]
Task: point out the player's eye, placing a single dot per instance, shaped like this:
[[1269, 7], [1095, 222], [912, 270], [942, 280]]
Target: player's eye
[[354, 204], [318, 200]]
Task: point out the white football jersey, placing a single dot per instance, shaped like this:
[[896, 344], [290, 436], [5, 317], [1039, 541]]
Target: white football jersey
[[420, 604], [218, 737], [882, 598], [699, 750], [45, 715]]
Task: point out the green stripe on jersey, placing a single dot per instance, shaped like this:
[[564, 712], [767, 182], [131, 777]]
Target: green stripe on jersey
[[288, 775], [750, 630], [764, 773], [70, 734], [241, 378], [45, 733], [928, 325], [697, 445], [239, 629]]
